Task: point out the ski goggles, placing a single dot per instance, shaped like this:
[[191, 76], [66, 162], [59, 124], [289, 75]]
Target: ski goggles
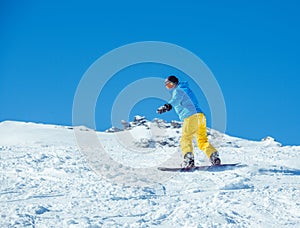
[[169, 84]]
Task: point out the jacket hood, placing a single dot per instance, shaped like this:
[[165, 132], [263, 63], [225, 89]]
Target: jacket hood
[[183, 84]]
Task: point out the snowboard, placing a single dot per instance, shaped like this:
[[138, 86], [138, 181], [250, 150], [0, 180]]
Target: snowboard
[[220, 167]]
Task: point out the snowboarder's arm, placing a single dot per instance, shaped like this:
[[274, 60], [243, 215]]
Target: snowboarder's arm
[[175, 101], [176, 98]]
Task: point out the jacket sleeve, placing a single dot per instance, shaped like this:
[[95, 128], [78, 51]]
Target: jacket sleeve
[[176, 98]]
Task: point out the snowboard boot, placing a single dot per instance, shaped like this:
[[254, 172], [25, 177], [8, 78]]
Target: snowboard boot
[[214, 158], [188, 161]]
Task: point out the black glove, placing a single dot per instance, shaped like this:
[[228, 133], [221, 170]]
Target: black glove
[[165, 108]]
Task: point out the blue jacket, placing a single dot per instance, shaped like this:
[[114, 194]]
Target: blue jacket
[[184, 101]]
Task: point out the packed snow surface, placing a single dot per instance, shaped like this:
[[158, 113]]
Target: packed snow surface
[[47, 180]]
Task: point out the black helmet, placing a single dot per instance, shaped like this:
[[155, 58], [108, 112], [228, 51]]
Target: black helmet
[[173, 79]]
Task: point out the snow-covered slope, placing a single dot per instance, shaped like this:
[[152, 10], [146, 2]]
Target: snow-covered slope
[[48, 181]]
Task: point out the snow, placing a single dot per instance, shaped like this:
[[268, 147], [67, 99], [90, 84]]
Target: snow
[[48, 181]]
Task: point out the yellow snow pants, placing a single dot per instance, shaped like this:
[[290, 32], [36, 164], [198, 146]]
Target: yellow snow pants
[[195, 126]]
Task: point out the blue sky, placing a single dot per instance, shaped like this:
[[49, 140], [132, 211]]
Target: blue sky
[[252, 48]]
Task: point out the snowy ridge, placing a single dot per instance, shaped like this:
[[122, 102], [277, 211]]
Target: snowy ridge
[[46, 181]]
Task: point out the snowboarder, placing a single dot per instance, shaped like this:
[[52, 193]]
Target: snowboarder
[[186, 106]]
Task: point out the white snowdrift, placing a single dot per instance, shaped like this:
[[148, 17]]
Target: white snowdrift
[[46, 180]]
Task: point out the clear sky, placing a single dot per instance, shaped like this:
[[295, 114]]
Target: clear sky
[[251, 47]]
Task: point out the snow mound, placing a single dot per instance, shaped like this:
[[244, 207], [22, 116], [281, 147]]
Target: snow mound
[[151, 134], [46, 180]]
